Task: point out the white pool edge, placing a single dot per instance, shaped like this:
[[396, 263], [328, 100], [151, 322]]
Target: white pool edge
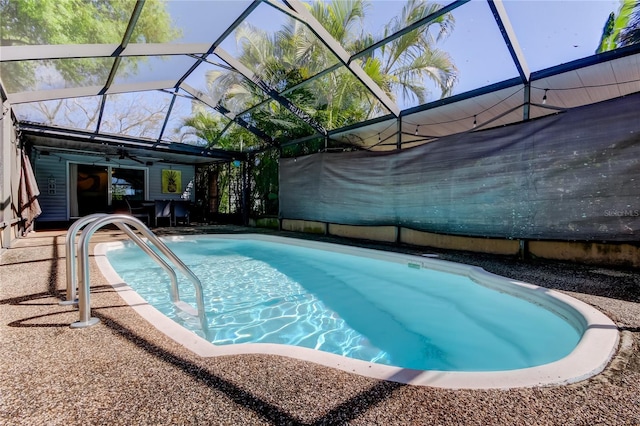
[[592, 354]]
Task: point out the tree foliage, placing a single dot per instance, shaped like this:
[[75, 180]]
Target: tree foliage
[[621, 28], [285, 59], [58, 22], [292, 54]]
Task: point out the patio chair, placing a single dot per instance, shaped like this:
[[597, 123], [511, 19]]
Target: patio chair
[[181, 212], [163, 211], [139, 212]]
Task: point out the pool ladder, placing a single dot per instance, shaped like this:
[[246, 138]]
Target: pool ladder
[[79, 256]]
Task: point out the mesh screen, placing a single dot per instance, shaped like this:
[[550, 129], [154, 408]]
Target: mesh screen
[[571, 176]]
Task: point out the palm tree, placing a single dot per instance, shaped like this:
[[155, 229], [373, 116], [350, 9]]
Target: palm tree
[[205, 126], [631, 33], [400, 66], [212, 180], [293, 54], [414, 56], [622, 28]]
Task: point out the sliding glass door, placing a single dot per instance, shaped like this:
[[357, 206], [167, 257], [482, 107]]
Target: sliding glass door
[[92, 186], [103, 189]]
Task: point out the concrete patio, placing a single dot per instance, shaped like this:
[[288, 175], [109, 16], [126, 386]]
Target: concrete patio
[[123, 371]]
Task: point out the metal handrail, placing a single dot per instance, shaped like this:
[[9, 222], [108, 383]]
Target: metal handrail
[[70, 249], [70, 256], [83, 271], [175, 293]]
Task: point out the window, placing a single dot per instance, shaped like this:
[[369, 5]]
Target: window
[[127, 183]]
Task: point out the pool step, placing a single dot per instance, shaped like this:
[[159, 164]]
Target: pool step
[[186, 308]]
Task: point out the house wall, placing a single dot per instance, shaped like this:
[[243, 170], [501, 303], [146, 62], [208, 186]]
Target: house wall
[[54, 167]]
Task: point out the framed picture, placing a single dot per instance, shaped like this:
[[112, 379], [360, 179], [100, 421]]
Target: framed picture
[[171, 181]]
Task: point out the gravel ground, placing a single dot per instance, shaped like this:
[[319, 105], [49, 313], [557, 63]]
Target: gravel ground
[[124, 372]]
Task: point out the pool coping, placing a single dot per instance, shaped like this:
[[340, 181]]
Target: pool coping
[[592, 354]]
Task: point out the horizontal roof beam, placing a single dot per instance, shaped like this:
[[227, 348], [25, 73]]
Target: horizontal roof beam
[[83, 136], [52, 94], [77, 92], [513, 82], [67, 51], [599, 58]]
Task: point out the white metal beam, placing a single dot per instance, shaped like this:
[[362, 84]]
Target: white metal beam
[[76, 92], [62, 51], [502, 19], [48, 95], [165, 49], [56, 51], [140, 87]]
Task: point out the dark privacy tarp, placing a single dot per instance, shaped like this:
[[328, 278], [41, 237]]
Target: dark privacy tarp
[[570, 176]]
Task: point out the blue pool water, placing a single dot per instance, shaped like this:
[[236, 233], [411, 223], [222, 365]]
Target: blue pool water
[[373, 310]]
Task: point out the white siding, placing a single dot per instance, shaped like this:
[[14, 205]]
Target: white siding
[[54, 166], [155, 181]]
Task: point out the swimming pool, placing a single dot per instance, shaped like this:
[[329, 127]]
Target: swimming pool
[[394, 313]]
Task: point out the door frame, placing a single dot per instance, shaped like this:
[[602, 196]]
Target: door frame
[[109, 167]]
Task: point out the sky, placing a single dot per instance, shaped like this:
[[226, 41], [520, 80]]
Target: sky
[[550, 32]]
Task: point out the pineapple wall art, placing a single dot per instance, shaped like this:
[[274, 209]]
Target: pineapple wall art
[[171, 181]]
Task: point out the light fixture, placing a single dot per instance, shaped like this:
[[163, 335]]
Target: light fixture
[[417, 127], [475, 122], [544, 98], [379, 139]]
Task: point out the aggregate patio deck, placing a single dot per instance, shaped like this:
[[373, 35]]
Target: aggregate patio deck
[[123, 371]]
